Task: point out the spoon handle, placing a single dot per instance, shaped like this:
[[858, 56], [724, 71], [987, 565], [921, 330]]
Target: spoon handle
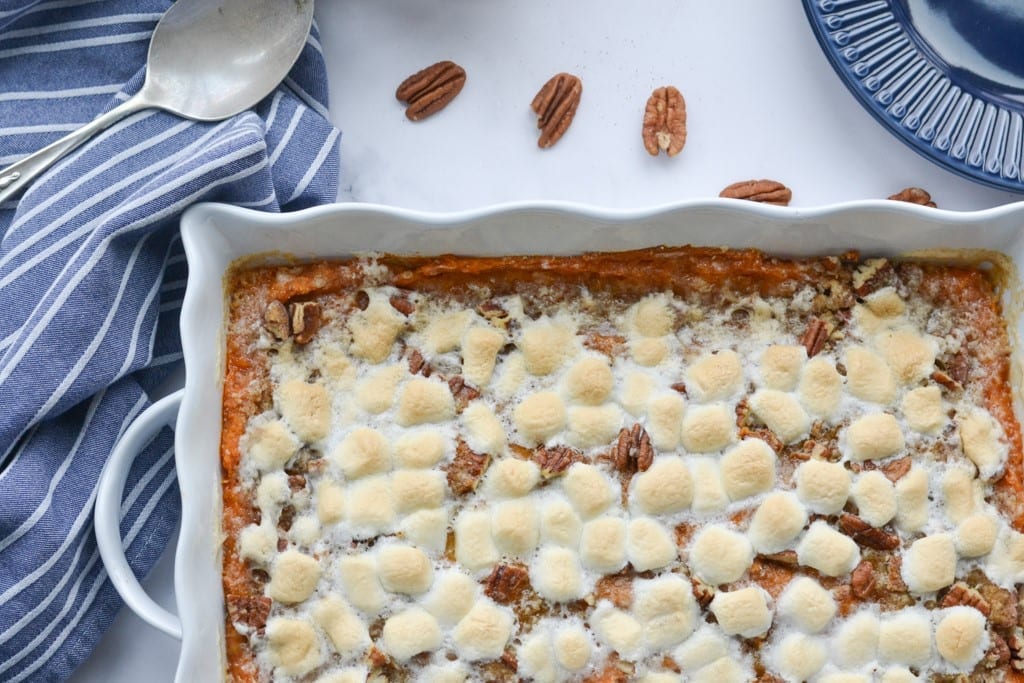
[[18, 175]]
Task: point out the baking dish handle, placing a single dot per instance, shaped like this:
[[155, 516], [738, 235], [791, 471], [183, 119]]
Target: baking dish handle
[[108, 513]]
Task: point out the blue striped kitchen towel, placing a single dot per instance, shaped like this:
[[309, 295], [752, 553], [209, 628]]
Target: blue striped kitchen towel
[[91, 280]]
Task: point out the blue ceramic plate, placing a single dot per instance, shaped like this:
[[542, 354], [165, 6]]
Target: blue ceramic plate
[[946, 76]]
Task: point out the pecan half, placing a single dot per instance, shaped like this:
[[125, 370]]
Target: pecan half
[[506, 583], [913, 195], [815, 336], [764, 191], [664, 128], [466, 469], [633, 451], [430, 90], [554, 461], [865, 534], [275, 320], [555, 105], [306, 321], [879, 539], [962, 594]]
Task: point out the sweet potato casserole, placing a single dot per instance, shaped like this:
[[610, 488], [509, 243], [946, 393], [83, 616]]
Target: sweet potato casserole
[[662, 465]]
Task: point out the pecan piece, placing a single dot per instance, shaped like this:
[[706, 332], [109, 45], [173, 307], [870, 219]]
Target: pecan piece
[[945, 380], [383, 667], [402, 304], [506, 583], [493, 312], [1016, 645], [555, 105], [895, 470], [612, 672], [913, 195], [786, 558], [275, 320], [962, 594], [998, 654], [894, 576], [866, 535], [1003, 605], [764, 191], [872, 275], [430, 90], [664, 128], [462, 392], [702, 592], [616, 588], [959, 367], [362, 300], [679, 387], [250, 611], [633, 451], [815, 336], [768, 436], [418, 365], [306, 321], [608, 344], [879, 539], [509, 659], [862, 580], [554, 461], [466, 469], [285, 519], [843, 594]]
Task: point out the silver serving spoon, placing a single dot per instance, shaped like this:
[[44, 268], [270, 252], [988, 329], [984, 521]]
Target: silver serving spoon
[[208, 60]]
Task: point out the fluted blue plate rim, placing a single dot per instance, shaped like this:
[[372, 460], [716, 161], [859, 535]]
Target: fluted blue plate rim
[[974, 128]]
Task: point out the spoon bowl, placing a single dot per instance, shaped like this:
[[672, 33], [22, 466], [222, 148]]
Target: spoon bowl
[[207, 61]]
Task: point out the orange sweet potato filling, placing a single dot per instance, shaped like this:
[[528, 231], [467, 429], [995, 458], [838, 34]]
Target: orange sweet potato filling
[[686, 271]]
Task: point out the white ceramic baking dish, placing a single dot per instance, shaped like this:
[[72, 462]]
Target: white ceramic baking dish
[[217, 235]]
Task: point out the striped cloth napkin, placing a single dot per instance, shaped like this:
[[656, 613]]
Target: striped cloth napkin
[[91, 281]]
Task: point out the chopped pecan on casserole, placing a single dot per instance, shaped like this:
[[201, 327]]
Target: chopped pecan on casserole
[[668, 464]]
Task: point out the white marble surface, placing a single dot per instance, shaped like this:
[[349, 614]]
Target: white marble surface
[[762, 102]]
